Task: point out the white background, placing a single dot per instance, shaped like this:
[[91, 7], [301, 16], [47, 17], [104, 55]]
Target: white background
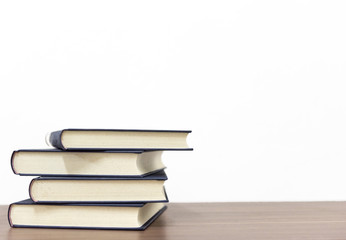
[[260, 83]]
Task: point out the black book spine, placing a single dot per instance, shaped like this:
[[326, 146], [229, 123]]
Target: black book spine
[[9, 215], [30, 186], [55, 140], [12, 166]]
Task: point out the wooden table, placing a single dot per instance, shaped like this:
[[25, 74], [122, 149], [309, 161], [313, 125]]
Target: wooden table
[[255, 221]]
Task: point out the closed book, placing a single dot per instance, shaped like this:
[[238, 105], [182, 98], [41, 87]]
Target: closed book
[[99, 190], [55, 162], [90, 216], [123, 139]]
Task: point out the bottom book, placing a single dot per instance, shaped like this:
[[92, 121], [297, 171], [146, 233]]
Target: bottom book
[[26, 213]]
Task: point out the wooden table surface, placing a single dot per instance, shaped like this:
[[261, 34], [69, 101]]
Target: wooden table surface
[[279, 221]]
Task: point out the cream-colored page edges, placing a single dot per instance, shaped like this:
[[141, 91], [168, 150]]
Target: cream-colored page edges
[[150, 161], [97, 190], [77, 216], [89, 163], [146, 212], [122, 139]]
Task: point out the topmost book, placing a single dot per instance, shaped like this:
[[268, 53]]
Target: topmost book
[[118, 139]]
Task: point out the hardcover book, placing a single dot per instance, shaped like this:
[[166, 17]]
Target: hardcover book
[[103, 139], [26, 213], [54, 162], [101, 190]]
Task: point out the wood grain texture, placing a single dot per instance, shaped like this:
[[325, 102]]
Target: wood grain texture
[[295, 220]]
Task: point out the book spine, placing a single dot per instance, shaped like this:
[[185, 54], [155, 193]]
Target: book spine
[[55, 140], [30, 187], [9, 215], [12, 160]]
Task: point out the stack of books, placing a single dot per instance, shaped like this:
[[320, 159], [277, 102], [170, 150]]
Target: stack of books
[[95, 179]]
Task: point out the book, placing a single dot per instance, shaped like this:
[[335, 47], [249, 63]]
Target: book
[[101, 190], [26, 213], [103, 139], [54, 162]]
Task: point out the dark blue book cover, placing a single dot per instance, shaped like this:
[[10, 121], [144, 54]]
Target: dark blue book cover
[[160, 175]]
